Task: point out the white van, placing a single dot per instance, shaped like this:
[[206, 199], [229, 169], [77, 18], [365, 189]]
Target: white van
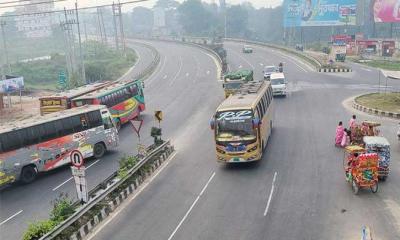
[[278, 83]]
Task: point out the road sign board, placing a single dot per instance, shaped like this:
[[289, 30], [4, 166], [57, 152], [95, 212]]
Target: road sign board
[[80, 183], [158, 115], [76, 158], [137, 125], [78, 172]]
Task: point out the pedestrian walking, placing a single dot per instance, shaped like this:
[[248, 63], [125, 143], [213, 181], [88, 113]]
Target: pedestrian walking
[[339, 134]]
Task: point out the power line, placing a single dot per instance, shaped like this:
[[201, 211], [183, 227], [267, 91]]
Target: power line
[[31, 4], [59, 11]]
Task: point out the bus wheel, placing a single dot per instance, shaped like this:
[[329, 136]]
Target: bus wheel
[[28, 174], [99, 150]]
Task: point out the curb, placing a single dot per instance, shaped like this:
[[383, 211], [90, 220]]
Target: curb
[[334, 70], [122, 196], [375, 111]]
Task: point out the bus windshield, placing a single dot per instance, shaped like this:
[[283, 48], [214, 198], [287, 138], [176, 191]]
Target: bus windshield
[[235, 126]]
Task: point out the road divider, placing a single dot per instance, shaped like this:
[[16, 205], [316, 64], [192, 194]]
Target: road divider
[[109, 194]]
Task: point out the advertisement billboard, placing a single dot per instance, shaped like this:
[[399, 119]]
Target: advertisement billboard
[[319, 12], [386, 10], [12, 84]]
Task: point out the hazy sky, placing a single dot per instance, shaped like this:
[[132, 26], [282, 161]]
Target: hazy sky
[[150, 3]]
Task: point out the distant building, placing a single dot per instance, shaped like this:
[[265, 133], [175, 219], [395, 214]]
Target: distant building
[[38, 22]]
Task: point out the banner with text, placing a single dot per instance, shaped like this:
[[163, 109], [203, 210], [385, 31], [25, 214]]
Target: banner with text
[[319, 12], [12, 84], [386, 10]]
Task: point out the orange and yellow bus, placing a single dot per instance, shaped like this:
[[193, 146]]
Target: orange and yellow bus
[[125, 100], [61, 101], [242, 123]]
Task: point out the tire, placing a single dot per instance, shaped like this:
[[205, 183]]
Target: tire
[[118, 125], [28, 174], [98, 150], [355, 187], [374, 188], [382, 178]]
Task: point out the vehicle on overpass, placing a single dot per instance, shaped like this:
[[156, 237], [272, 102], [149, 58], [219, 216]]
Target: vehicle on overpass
[[247, 49], [268, 70], [43, 143], [242, 123], [234, 80], [278, 83], [61, 101], [125, 100]]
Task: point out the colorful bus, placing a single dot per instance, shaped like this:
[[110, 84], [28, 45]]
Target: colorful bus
[[125, 100], [242, 123], [43, 143], [61, 101]]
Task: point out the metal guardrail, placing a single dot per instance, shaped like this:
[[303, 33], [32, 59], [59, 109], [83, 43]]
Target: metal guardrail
[[102, 190], [310, 59]]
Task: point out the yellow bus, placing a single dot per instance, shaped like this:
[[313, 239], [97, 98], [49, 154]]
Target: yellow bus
[[61, 101], [242, 123]]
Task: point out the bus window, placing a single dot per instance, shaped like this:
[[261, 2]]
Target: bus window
[[49, 131], [108, 123], [94, 119], [12, 141]]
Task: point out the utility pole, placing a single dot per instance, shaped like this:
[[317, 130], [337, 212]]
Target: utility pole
[[115, 26], [100, 28], [80, 44], [104, 27], [121, 26], [6, 61], [84, 29]]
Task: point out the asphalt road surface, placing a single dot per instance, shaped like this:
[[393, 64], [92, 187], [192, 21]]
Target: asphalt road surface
[[196, 198], [298, 190], [22, 204]]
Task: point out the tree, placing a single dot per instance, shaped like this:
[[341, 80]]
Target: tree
[[237, 20], [142, 20], [166, 4], [195, 19]]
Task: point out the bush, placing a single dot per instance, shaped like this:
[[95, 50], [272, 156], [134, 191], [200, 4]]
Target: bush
[[37, 229], [62, 208], [126, 163]]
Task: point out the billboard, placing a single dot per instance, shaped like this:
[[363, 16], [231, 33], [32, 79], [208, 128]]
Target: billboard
[[319, 12], [11, 84], [386, 10]]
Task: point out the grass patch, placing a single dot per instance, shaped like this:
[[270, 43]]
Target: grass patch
[[383, 64], [381, 101]]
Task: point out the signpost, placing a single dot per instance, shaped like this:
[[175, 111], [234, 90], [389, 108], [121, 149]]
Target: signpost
[[62, 79], [158, 115], [78, 172]]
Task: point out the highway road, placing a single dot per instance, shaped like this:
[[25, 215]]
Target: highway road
[[298, 190], [196, 198], [22, 204]]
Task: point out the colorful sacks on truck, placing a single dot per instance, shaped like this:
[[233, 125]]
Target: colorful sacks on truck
[[367, 160]]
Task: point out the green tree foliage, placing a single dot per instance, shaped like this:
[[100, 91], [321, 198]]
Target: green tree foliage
[[237, 20], [62, 208], [195, 19], [38, 229], [126, 163]]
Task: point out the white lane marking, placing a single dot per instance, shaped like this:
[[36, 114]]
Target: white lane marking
[[11, 217], [261, 64], [243, 58], [191, 207], [69, 179], [240, 66], [179, 71], [187, 74], [129, 200], [208, 72], [165, 76], [219, 70], [159, 71], [270, 195], [366, 69]]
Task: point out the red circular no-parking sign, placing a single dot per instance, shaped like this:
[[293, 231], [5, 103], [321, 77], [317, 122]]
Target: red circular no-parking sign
[[76, 158]]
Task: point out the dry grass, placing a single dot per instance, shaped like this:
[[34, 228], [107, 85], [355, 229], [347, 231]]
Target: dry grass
[[381, 101]]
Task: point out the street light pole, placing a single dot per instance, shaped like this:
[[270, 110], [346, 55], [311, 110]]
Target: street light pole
[[7, 63], [80, 44]]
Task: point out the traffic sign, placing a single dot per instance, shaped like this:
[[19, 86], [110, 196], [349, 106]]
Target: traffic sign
[[137, 125], [80, 183], [158, 115], [62, 79], [76, 158]]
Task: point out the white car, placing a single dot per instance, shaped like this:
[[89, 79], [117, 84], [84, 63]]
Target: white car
[[278, 83], [247, 49], [268, 70]]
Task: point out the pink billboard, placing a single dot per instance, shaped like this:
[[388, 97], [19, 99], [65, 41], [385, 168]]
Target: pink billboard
[[386, 10]]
